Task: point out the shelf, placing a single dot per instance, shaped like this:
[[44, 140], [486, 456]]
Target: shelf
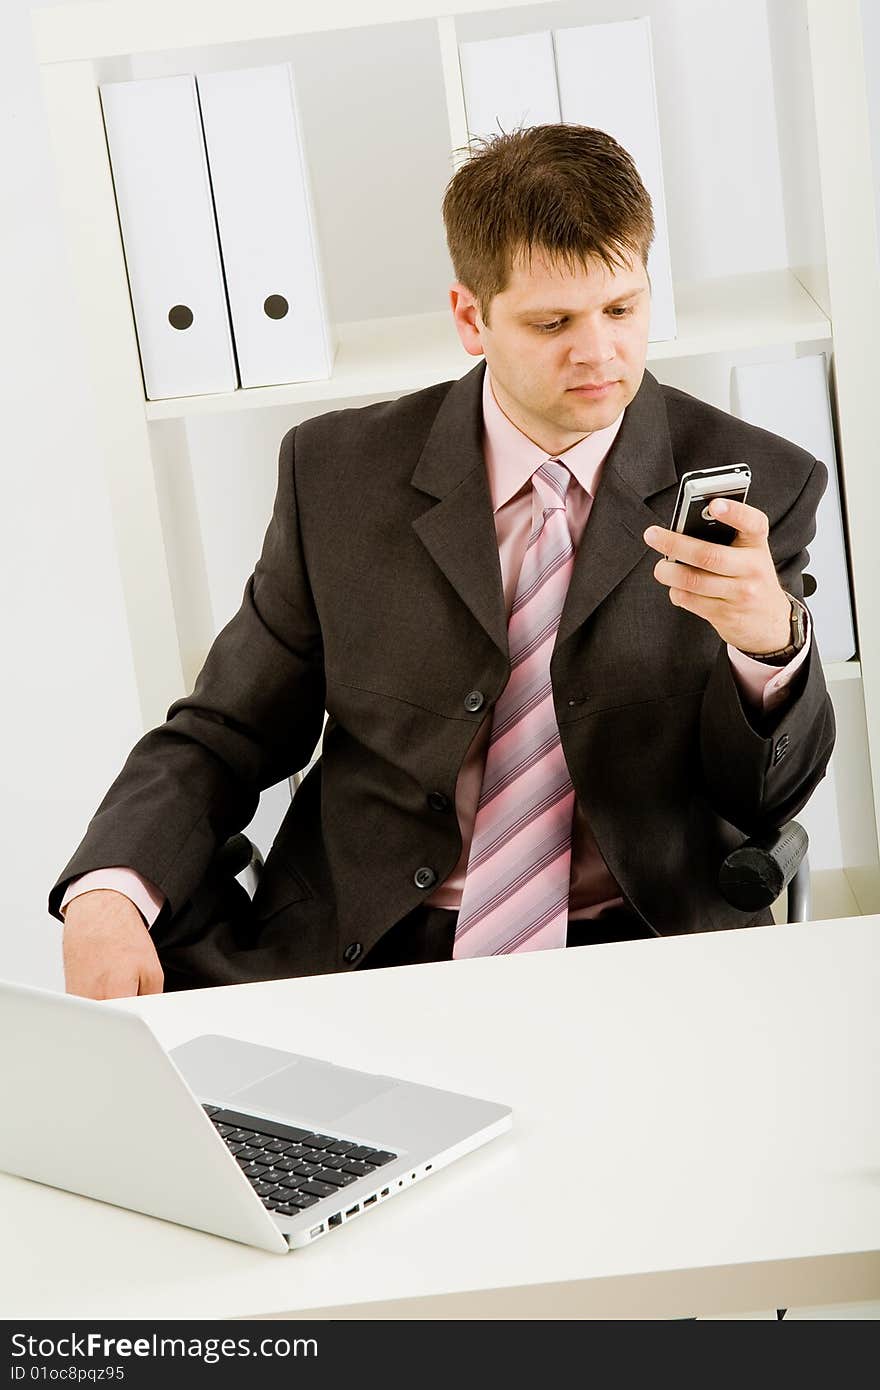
[[387, 357], [739, 312], [112, 28], [843, 671]]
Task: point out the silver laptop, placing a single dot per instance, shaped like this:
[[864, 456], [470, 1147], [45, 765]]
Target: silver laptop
[[248, 1142]]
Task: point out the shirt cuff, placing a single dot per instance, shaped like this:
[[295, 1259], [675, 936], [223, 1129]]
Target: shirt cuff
[[146, 897], [766, 687]]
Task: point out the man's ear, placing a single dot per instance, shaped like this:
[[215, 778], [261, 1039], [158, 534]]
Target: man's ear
[[468, 323]]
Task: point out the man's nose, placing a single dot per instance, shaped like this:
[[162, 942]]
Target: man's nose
[[594, 344]]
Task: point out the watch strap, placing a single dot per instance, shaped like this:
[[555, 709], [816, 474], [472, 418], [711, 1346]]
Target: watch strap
[[798, 636]]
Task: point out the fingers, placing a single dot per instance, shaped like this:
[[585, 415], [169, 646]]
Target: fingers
[[702, 555], [94, 971], [152, 980], [714, 610], [696, 581], [751, 525], [81, 977]]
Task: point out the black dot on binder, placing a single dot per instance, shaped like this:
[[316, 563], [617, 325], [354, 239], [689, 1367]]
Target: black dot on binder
[[809, 585], [276, 306], [180, 316]]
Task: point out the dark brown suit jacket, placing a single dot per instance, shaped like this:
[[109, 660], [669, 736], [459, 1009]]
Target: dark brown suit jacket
[[378, 596]]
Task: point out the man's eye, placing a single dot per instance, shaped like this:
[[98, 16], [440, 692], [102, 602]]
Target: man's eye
[[620, 311], [549, 327]]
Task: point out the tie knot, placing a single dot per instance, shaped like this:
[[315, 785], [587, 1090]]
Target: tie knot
[[551, 482]]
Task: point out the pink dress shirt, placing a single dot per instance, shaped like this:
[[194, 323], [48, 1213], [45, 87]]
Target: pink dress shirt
[[511, 459]]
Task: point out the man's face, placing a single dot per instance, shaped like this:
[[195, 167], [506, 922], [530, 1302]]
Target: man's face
[[554, 331]]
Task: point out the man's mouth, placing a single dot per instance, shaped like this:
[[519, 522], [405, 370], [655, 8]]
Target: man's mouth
[[599, 390]]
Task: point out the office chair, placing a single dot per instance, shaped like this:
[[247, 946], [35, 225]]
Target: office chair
[[751, 877]]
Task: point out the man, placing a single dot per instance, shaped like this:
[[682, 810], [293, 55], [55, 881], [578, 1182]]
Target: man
[[541, 732]]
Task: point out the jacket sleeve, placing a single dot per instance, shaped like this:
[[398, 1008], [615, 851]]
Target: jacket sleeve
[[253, 718], [760, 769]]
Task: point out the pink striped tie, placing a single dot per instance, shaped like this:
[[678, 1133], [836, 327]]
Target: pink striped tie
[[515, 895]]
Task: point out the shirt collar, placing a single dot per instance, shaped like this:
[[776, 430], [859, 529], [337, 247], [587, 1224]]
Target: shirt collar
[[512, 458]]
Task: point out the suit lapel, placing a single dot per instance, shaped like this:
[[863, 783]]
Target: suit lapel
[[639, 464], [459, 531]]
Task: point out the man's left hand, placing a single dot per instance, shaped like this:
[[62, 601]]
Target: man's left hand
[[733, 587]]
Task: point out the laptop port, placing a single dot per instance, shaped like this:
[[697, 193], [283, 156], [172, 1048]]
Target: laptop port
[[353, 1211], [370, 1200], [428, 1167], [316, 1231], [385, 1191], [335, 1220]]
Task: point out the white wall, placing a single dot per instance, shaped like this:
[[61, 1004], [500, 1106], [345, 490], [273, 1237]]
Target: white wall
[[377, 140], [871, 41], [68, 708]]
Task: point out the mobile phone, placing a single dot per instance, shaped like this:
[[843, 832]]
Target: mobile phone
[[697, 489]]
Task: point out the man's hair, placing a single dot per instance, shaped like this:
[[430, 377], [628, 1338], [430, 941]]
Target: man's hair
[[569, 190]]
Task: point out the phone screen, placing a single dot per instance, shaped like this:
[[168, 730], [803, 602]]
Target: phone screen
[[697, 521], [697, 489]]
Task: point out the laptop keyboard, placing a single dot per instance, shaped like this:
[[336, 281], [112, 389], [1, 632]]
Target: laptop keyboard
[[291, 1169]]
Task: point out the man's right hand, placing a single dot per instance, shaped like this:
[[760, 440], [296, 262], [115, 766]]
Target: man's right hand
[[108, 950]]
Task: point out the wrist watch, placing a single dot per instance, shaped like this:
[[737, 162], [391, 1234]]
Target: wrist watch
[[796, 640]]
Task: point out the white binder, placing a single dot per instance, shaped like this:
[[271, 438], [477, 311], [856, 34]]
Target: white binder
[[163, 196], [791, 399], [606, 80], [266, 221], [509, 83]]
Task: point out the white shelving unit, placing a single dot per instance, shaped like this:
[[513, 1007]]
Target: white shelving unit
[[378, 356], [829, 298]]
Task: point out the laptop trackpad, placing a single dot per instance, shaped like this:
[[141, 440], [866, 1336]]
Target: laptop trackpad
[[316, 1093], [215, 1065]]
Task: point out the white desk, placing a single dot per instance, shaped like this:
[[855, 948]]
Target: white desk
[[696, 1130]]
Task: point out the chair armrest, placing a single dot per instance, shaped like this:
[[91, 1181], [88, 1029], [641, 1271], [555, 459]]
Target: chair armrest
[[754, 875], [240, 855]]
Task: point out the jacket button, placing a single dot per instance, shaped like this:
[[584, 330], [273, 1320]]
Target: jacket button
[[473, 701], [438, 802], [424, 877], [353, 952]]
